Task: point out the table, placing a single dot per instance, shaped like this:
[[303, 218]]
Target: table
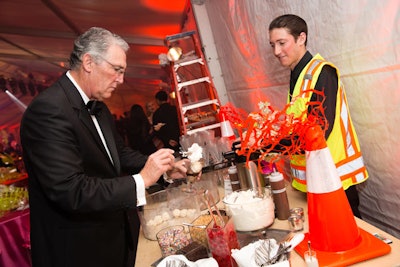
[[14, 239], [148, 251]]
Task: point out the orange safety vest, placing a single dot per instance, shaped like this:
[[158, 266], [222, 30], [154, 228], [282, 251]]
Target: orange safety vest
[[342, 141]]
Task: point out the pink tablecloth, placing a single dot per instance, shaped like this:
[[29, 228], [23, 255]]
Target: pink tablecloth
[[14, 240]]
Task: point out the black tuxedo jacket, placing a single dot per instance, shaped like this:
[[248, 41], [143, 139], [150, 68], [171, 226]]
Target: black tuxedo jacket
[[83, 207]]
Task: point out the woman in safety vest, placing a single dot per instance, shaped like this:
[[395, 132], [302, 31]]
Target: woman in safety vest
[[288, 39]]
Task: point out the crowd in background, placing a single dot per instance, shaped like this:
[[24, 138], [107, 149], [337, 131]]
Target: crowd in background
[[151, 127], [145, 132]]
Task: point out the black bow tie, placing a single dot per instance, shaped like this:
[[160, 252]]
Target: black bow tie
[[94, 107]]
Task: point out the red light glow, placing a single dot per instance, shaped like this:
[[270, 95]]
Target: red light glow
[[167, 6]]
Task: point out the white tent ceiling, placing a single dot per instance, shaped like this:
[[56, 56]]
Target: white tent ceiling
[[36, 36]]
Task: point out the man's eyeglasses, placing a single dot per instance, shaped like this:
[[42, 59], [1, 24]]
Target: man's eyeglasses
[[118, 69]]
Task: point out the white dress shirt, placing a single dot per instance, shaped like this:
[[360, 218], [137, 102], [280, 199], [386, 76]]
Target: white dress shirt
[[140, 188]]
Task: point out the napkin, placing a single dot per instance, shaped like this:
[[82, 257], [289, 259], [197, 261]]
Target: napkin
[[208, 262], [245, 257]]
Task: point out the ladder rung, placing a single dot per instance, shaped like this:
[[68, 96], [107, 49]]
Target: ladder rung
[[201, 120], [208, 127], [199, 80], [178, 36], [199, 104], [178, 64]]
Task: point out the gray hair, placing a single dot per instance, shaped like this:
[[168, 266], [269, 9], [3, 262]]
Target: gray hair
[[96, 42]]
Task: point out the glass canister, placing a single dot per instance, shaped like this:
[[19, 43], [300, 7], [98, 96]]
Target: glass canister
[[197, 229], [166, 208], [209, 182], [171, 239], [251, 209], [221, 239], [156, 215]]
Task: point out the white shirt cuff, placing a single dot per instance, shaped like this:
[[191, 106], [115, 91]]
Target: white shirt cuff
[[140, 190]]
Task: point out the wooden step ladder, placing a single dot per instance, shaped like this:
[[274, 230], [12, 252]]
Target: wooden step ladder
[[196, 98]]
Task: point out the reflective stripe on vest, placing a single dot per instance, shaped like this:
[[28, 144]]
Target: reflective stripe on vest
[[345, 153], [348, 168]]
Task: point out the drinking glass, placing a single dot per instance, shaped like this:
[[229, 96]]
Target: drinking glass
[[192, 176], [310, 257], [171, 239], [221, 239]]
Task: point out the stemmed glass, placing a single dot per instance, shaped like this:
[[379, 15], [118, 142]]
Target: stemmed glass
[[192, 174]]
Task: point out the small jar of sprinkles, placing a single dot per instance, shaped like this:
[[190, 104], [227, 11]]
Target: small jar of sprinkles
[[172, 239]]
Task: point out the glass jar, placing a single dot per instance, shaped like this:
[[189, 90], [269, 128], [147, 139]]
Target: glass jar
[[221, 239], [171, 239], [251, 209]]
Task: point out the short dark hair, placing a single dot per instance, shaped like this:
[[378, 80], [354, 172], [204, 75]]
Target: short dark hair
[[293, 23], [162, 96]]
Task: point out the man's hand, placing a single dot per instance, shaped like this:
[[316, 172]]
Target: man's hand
[[160, 162], [157, 163], [179, 169]]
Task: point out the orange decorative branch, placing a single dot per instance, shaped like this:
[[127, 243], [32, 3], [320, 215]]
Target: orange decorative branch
[[269, 130]]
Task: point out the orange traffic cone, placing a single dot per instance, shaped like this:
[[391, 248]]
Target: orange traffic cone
[[333, 231], [329, 211]]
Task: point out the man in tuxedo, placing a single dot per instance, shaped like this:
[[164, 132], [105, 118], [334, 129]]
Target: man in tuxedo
[[84, 184]]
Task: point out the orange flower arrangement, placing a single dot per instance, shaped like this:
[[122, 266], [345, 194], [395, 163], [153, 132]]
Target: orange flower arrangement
[[268, 130]]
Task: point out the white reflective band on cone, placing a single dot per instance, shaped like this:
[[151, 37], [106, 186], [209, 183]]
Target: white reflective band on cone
[[322, 176]]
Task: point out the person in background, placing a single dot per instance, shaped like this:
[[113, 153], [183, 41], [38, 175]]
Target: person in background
[[119, 124], [140, 135], [139, 131], [85, 184], [288, 39], [151, 107], [122, 123], [165, 122]]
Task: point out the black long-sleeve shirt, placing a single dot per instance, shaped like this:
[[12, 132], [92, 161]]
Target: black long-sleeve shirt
[[327, 82]]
